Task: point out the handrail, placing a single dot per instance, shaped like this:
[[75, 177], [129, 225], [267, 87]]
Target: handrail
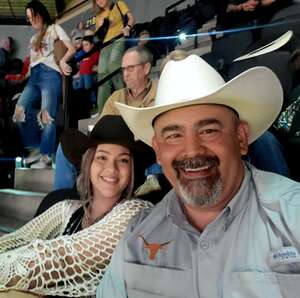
[[173, 5]]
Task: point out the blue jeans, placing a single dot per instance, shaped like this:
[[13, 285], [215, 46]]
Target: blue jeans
[[267, 154], [65, 173], [86, 82], [111, 59], [42, 93]]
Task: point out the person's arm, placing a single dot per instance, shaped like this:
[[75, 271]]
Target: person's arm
[[68, 265], [65, 68], [249, 5], [45, 226], [267, 2], [127, 28], [130, 19]]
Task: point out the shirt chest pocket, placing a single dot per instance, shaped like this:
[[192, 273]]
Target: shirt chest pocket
[[261, 285], [143, 281]]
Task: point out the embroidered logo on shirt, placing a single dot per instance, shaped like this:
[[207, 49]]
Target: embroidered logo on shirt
[[284, 255], [153, 247]]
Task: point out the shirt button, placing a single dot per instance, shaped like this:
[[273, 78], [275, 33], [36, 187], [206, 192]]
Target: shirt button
[[204, 244]]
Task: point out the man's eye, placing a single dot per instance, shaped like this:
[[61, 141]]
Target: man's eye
[[173, 136], [208, 131]]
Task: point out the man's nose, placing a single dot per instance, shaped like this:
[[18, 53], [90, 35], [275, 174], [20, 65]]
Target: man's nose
[[193, 145]]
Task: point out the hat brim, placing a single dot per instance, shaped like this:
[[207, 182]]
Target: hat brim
[[270, 47], [256, 95], [74, 144]]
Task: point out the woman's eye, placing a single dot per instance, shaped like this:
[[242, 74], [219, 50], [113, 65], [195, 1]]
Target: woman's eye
[[124, 160], [101, 157]]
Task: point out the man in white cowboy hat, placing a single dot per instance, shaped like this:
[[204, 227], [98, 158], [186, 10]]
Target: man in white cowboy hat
[[226, 229]]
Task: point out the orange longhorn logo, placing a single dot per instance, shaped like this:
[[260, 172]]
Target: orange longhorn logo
[[153, 247]]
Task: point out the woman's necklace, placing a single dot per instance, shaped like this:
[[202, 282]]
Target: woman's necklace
[[86, 221]]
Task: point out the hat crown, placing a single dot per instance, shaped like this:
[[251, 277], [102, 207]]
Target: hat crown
[[187, 79]]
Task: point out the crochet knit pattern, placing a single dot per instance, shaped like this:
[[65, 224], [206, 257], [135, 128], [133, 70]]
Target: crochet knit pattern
[[67, 265]]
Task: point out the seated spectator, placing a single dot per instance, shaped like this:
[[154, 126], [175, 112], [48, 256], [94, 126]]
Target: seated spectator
[[250, 12], [226, 229], [145, 40], [87, 75], [77, 42], [18, 78], [65, 250], [36, 109], [78, 31], [6, 48], [140, 91]]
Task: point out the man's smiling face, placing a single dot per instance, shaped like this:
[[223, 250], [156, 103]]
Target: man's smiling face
[[199, 148]]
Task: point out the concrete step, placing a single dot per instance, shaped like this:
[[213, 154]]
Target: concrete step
[[17, 207], [35, 180], [86, 125]]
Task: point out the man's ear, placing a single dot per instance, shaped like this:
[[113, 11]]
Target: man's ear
[[155, 148], [243, 137], [147, 68]]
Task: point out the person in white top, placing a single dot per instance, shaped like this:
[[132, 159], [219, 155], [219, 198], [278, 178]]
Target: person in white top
[[35, 112]]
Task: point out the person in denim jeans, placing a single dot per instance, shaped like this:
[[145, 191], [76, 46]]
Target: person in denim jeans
[[36, 109], [86, 76], [111, 55]]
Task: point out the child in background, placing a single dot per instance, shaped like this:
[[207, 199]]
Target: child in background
[[88, 68]]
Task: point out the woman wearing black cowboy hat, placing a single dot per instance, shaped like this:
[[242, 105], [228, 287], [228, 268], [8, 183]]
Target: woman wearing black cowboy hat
[[66, 249]]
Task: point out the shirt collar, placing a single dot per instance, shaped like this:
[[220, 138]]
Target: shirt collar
[[148, 86]]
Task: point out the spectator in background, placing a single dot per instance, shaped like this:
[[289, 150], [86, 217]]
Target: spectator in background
[[250, 12], [17, 78], [145, 40], [36, 109], [77, 43], [78, 31], [6, 49], [110, 23], [86, 76]]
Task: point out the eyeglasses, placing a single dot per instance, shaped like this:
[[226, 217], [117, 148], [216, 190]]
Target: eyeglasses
[[130, 68]]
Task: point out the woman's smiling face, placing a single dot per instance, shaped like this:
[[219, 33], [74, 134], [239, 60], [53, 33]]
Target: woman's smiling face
[[111, 170]]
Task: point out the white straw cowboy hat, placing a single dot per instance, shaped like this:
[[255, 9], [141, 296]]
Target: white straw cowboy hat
[[256, 95]]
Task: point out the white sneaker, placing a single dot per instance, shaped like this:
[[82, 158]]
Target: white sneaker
[[45, 162], [33, 157]]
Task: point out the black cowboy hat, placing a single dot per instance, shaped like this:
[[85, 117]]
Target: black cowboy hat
[[110, 129]]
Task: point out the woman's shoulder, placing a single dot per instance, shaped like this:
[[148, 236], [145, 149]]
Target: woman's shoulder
[[122, 5], [136, 202]]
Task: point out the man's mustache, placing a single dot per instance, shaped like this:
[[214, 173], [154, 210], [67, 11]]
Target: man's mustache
[[195, 162]]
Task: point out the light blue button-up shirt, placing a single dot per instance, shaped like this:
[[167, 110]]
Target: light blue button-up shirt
[[249, 250]]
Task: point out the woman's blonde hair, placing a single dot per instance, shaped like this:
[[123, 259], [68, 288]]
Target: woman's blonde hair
[[175, 55], [96, 7], [84, 184]]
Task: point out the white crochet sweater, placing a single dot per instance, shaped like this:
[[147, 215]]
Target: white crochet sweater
[[39, 259]]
